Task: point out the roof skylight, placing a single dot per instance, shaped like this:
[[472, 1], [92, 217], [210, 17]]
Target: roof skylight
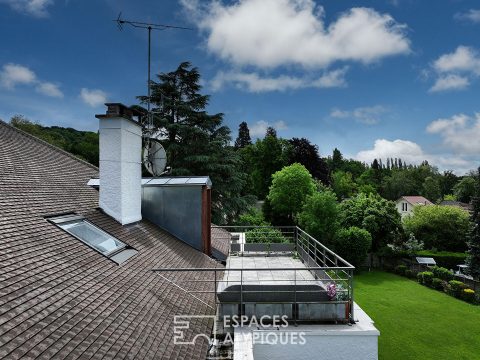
[[91, 235]]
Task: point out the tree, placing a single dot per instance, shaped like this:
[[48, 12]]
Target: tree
[[398, 184], [447, 182], [305, 153], [343, 184], [431, 189], [465, 189], [271, 132], [353, 244], [337, 160], [261, 160], [444, 228], [83, 144], [243, 138], [319, 216], [374, 214], [196, 142], [290, 188], [473, 255]]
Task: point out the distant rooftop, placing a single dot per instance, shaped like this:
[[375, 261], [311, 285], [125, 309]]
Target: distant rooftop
[[416, 200]]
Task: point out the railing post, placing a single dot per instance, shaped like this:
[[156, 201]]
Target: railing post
[[350, 272], [241, 293], [294, 310]]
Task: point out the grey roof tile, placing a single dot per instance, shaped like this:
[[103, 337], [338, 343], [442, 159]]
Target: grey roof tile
[[62, 299]]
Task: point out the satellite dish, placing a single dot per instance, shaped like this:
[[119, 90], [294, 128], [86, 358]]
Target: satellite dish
[[154, 157]]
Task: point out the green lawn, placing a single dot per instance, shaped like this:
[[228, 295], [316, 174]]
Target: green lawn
[[416, 322]]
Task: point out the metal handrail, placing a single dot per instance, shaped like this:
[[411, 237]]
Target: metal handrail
[[323, 263]]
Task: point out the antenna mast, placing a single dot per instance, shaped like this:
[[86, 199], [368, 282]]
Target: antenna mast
[[149, 26]]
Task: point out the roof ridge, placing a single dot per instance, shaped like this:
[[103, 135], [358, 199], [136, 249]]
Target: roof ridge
[[43, 142]]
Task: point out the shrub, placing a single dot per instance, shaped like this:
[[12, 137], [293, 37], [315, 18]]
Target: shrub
[[468, 295], [420, 277], [437, 284], [252, 217], [455, 288], [409, 273], [266, 235], [352, 244], [401, 269], [427, 278], [442, 273]]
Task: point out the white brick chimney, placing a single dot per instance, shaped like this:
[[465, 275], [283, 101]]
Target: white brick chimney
[[120, 164]]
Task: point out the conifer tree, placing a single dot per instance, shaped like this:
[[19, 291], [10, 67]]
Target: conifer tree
[[243, 138], [197, 143]]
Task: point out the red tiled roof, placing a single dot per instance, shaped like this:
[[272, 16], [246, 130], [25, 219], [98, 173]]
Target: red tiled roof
[[416, 200], [62, 299]]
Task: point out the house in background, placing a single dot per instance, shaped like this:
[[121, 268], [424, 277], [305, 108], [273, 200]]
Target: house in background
[[458, 204], [406, 204]]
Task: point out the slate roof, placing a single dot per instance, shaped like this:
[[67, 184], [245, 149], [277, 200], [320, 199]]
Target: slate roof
[[61, 299], [220, 242], [459, 204]]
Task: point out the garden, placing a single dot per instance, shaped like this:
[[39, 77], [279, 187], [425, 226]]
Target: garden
[[417, 322]]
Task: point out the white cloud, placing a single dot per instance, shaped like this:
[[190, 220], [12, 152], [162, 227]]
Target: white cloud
[[271, 33], [464, 59], [93, 97], [49, 89], [253, 82], [368, 115], [472, 15], [450, 82], [456, 70], [13, 74], [412, 153], [331, 79], [259, 128], [36, 8], [460, 132]]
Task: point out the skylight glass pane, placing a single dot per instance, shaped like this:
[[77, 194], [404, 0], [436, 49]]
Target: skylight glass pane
[[93, 236]]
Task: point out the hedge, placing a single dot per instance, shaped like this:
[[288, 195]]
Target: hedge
[[445, 259]]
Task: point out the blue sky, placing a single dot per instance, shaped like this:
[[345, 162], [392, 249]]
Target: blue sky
[[373, 78]]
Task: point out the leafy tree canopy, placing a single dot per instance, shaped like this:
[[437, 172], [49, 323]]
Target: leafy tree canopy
[[83, 144], [290, 188], [353, 244], [320, 216], [465, 189], [374, 214], [443, 228]]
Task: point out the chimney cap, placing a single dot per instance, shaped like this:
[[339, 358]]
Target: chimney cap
[[115, 110]]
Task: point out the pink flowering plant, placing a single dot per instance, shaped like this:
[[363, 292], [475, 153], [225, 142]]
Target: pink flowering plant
[[331, 291]]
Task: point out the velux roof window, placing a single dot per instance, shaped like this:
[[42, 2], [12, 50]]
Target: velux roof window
[[94, 237]]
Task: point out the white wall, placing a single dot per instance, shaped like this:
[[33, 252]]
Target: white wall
[[400, 209], [121, 169]]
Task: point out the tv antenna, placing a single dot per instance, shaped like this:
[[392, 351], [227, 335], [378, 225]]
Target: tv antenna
[[148, 26]]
